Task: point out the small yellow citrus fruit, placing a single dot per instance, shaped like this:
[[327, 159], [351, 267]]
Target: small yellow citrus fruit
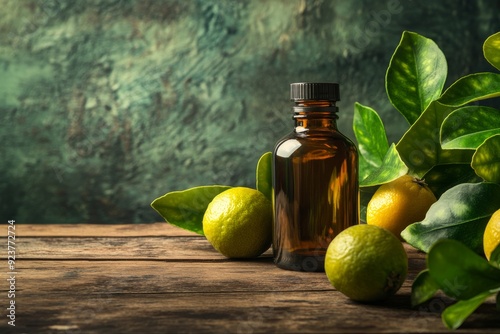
[[366, 263], [238, 223], [491, 238], [399, 203]]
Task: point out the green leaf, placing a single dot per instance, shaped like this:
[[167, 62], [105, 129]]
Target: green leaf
[[461, 213], [459, 272], [264, 176], [186, 208], [365, 168], [455, 315], [463, 275], [420, 147], [423, 288], [495, 257], [391, 168], [416, 75], [441, 178], [486, 160], [370, 134], [473, 87], [372, 140], [491, 50], [468, 127]]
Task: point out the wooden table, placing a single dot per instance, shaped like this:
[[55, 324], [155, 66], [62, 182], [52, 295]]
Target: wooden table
[[157, 278]]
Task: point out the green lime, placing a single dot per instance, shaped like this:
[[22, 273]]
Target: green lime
[[366, 263], [238, 223]]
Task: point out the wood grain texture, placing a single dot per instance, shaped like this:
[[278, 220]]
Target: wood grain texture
[[172, 283], [101, 230], [226, 312], [211, 297], [118, 248]]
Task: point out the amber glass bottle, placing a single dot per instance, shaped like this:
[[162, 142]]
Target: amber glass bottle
[[315, 180]]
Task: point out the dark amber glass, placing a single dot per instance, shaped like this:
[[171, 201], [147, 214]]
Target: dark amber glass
[[315, 187]]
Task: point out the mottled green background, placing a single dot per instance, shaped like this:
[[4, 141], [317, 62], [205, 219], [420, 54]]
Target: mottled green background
[[105, 105]]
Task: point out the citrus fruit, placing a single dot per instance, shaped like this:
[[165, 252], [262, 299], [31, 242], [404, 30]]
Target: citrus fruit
[[238, 223], [399, 203], [491, 237], [366, 263]]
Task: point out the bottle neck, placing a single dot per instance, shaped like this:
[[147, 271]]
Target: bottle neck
[[315, 116]]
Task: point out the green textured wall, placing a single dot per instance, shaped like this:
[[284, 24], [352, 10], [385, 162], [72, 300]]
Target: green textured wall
[[105, 105]]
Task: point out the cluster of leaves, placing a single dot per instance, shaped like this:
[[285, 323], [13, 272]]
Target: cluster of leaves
[[186, 208], [469, 278], [448, 143], [453, 143]]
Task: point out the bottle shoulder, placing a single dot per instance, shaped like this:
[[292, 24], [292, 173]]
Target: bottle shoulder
[[324, 137], [297, 144]]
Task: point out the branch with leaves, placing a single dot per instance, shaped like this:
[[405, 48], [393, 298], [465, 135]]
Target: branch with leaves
[[455, 147], [468, 278]]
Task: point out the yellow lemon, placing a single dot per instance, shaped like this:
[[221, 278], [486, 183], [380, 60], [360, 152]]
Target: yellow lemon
[[491, 238], [238, 223], [399, 203], [366, 263]]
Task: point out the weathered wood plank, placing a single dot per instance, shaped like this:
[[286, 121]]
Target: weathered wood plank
[[239, 283], [119, 248], [226, 312], [100, 230], [161, 277], [95, 277]]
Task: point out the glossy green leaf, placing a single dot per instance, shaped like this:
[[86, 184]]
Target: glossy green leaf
[[473, 87], [461, 213], [370, 134], [486, 160], [420, 146], [264, 176], [440, 178], [455, 315], [495, 257], [491, 50], [365, 168], [423, 288], [459, 272], [186, 208], [416, 75], [468, 127], [391, 168], [372, 140]]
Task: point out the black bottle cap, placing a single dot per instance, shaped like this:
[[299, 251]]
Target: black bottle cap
[[314, 91]]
